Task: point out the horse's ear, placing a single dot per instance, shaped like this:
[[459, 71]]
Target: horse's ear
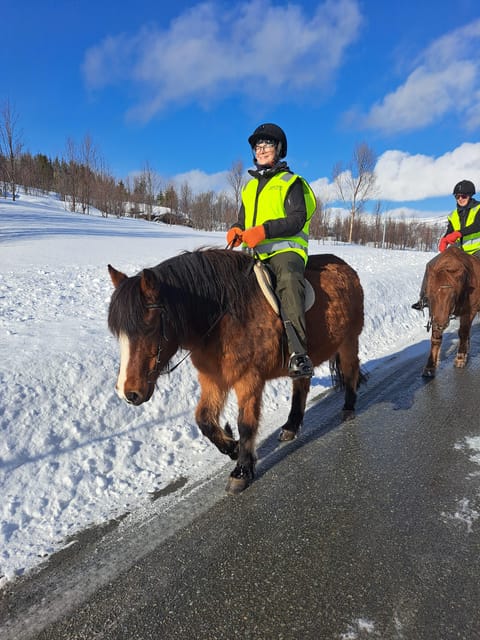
[[149, 284], [116, 276]]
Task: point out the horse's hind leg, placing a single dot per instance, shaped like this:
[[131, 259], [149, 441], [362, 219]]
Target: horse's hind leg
[[464, 341], [207, 415], [348, 365], [300, 389], [249, 397]]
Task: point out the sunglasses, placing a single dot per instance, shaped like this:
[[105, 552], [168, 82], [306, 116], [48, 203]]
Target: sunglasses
[[461, 195]]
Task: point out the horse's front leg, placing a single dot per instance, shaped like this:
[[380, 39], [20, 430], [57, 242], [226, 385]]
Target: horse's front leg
[[434, 355], [207, 416], [464, 340], [249, 398], [300, 389]]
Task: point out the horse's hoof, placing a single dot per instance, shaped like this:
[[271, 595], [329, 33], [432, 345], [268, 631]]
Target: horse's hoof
[[460, 363], [286, 435], [237, 485], [348, 414], [428, 373]]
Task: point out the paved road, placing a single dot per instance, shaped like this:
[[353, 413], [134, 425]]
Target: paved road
[[368, 529]]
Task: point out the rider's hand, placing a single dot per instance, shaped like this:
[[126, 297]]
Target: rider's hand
[[254, 235], [234, 237], [450, 238]]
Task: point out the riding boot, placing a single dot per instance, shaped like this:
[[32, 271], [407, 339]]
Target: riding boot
[[421, 303]]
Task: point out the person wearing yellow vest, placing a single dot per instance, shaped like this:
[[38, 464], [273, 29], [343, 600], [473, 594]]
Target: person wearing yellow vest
[[463, 230], [273, 223]]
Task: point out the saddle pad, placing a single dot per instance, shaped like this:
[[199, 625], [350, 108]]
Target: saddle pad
[[265, 282]]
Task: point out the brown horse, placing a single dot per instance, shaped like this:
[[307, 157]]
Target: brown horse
[[209, 303], [452, 282]]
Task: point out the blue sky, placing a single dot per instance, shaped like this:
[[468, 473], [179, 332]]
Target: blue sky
[[181, 85]]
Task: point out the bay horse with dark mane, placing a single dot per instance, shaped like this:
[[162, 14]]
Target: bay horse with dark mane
[[209, 303], [452, 289]]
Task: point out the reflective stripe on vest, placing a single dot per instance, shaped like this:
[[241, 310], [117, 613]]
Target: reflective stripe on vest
[[470, 243], [269, 204]]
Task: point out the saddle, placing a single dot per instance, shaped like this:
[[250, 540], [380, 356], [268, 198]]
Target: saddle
[[264, 279]]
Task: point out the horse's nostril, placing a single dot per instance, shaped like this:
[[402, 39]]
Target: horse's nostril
[[133, 397]]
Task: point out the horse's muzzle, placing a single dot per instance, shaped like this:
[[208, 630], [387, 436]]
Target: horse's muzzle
[[132, 397]]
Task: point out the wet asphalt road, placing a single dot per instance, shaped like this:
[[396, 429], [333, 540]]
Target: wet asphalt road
[[366, 529]]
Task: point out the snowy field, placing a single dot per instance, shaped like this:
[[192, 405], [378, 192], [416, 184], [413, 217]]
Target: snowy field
[[71, 453]]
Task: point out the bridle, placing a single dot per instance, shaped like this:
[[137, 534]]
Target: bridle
[[451, 316], [156, 371]]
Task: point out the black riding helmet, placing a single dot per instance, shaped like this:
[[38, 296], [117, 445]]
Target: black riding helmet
[[269, 131], [464, 186]]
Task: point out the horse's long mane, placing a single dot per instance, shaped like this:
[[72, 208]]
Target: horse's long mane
[[194, 290]]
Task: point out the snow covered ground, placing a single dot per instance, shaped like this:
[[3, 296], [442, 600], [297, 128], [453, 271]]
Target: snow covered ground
[[71, 453]]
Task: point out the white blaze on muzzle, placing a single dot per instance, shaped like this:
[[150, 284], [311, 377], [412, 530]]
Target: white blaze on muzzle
[[124, 344]]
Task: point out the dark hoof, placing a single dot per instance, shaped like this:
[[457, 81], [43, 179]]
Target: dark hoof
[[286, 435], [237, 485], [348, 414], [428, 373]]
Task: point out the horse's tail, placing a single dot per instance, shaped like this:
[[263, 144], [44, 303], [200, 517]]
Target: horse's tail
[[336, 373], [337, 377]]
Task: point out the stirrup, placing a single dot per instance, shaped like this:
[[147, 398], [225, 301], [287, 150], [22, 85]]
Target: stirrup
[[300, 366]]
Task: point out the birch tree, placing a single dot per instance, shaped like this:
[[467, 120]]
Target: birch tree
[[356, 183]]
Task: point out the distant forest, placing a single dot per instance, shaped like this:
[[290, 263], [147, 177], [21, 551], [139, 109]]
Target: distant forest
[[82, 181]]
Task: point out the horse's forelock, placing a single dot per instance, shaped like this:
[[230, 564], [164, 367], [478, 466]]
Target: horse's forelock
[[126, 310]]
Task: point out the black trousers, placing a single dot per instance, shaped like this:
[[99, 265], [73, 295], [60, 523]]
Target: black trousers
[[289, 270]]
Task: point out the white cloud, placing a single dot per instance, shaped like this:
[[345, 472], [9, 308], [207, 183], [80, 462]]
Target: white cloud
[[445, 80], [402, 177], [324, 190], [208, 52], [201, 182]]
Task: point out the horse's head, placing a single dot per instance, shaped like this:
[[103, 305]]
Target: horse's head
[[445, 290], [136, 317]]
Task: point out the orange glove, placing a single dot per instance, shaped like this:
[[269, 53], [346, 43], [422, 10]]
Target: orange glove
[[234, 237], [450, 238], [254, 235]]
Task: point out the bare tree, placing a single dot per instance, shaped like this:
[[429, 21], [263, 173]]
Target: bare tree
[[356, 183], [72, 174], [151, 182], [88, 161], [236, 179], [10, 145], [186, 199]]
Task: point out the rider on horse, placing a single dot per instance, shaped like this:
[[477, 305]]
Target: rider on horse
[[463, 230], [274, 220]]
